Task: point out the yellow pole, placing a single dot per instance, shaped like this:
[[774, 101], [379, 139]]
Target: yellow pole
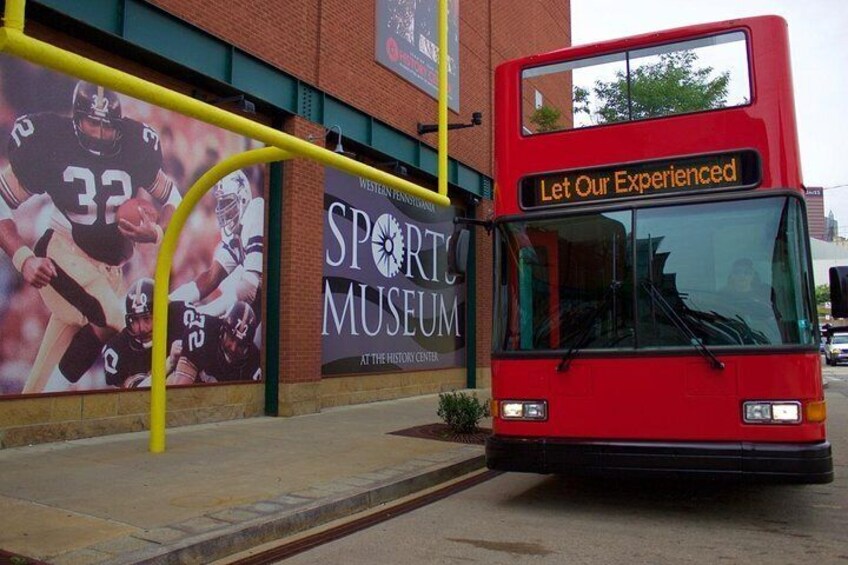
[[443, 98], [162, 277], [14, 16], [14, 42]]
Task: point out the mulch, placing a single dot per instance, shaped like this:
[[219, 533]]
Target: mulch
[[441, 432]]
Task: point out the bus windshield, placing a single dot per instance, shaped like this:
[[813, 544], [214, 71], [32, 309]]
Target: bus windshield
[[732, 271]]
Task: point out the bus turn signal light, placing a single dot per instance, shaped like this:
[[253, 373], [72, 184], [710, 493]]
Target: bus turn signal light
[[816, 411]]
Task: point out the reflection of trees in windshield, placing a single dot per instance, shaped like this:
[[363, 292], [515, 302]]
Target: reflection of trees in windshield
[[715, 329], [567, 278], [716, 320], [571, 282], [710, 260]]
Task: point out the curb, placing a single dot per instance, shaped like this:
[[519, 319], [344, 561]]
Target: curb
[[226, 532]]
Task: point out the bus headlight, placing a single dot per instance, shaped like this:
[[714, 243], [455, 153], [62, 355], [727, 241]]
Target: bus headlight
[[524, 409], [771, 412]]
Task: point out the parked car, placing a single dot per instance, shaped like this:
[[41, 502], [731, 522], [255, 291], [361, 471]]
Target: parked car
[[836, 348]]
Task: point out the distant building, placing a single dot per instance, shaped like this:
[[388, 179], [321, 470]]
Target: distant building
[[826, 255], [815, 213], [831, 228]]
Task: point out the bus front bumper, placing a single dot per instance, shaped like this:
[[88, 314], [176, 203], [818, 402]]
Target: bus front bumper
[[777, 462]]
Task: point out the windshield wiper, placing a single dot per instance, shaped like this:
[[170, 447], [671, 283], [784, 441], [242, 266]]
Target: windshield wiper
[[680, 324], [586, 328]]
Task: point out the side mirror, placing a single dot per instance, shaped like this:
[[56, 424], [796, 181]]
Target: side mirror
[[839, 291], [458, 251]]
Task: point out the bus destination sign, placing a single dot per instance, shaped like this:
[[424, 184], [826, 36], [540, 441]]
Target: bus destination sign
[[724, 171]]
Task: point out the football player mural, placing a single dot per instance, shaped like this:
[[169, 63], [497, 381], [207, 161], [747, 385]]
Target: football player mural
[[126, 358], [237, 266], [88, 181], [219, 349]]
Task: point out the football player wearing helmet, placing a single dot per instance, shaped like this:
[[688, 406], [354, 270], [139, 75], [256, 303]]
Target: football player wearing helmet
[[236, 269], [220, 349], [127, 356], [97, 118], [88, 164]]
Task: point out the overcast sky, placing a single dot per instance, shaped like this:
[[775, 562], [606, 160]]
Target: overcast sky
[[818, 35]]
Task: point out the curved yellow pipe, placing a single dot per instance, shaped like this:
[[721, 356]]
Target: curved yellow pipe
[[283, 146], [13, 41], [163, 277], [14, 15]]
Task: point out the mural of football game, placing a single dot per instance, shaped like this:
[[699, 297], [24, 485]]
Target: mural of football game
[[88, 181]]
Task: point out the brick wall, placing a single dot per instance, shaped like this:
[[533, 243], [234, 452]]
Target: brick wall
[[302, 264], [483, 248], [330, 44]]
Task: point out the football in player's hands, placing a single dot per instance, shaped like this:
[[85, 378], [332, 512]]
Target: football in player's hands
[[131, 211]]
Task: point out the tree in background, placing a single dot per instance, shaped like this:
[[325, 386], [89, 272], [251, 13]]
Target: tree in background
[[822, 294], [546, 118], [672, 85]]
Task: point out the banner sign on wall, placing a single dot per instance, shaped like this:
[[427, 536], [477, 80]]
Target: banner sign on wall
[[88, 181], [389, 304], [407, 42]]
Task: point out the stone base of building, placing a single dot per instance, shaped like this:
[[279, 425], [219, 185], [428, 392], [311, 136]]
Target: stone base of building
[[27, 421], [44, 419], [310, 397], [343, 391]]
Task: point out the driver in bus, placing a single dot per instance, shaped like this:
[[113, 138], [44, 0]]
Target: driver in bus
[[744, 282], [751, 302]]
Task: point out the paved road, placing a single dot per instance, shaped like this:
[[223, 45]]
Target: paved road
[[518, 518], [838, 373]]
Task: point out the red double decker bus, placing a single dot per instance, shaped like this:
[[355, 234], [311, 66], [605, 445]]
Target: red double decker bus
[[654, 310]]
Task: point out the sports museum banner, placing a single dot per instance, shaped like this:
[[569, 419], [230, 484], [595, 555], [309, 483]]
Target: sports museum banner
[[407, 43], [88, 180], [389, 303]]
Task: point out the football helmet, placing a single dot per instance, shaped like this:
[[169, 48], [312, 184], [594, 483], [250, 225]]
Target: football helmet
[[97, 118], [232, 195], [138, 307], [237, 333]]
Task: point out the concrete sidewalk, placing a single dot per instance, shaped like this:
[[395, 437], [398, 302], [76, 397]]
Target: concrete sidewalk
[[218, 488]]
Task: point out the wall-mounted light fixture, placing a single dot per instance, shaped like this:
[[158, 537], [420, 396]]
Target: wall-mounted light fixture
[[476, 120], [339, 148]]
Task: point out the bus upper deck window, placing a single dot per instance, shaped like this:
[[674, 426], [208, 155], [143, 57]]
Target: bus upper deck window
[[708, 73]]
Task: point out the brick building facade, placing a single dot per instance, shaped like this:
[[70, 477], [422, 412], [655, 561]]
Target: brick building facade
[[815, 212], [308, 66]]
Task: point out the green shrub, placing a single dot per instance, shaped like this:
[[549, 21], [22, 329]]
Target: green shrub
[[546, 118], [461, 412]]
